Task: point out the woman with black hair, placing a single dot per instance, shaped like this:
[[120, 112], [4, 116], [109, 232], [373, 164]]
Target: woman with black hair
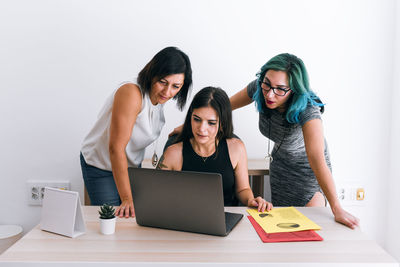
[[131, 120], [206, 144]]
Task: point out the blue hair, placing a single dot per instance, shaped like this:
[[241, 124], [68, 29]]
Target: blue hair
[[301, 96]]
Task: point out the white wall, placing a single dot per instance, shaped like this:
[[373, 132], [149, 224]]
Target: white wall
[[59, 60], [393, 218]]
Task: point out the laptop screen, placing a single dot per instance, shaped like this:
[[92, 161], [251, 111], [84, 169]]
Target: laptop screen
[[178, 200]]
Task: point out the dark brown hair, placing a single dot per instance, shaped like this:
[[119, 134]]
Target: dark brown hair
[[168, 61], [217, 99]]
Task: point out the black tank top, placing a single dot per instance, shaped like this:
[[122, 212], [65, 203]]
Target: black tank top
[[219, 162]]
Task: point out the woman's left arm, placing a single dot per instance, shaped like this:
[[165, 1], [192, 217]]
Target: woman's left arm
[[238, 155], [315, 146]]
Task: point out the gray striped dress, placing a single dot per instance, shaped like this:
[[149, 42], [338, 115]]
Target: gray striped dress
[[293, 182]]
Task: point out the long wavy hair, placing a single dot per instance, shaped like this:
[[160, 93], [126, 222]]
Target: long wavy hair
[[297, 74]]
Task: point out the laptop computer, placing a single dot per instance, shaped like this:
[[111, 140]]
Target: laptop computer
[[181, 200]]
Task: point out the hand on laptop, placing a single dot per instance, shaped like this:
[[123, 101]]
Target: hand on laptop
[[261, 203], [126, 209]]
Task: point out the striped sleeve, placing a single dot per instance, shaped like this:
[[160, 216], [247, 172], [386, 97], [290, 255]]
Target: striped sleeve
[[310, 113], [252, 88]]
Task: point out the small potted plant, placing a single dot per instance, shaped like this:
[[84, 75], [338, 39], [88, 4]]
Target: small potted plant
[[107, 219]]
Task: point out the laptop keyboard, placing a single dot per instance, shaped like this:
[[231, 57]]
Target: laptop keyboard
[[231, 219]]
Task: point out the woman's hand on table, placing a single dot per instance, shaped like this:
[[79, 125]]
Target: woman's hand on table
[[343, 217], [261, 204], [125, 209]]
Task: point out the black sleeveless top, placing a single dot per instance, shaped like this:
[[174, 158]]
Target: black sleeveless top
[[219, 162]]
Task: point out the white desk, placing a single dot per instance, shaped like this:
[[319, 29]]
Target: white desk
[[135, 245]]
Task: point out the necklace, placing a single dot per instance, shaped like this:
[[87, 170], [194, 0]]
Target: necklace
[[198, 154], [204, 158], [269, 157], [154, 158]]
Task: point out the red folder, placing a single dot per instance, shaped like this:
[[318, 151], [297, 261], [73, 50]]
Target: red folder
[[308, 235]]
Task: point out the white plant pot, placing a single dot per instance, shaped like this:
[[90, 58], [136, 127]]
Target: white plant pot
[[107, 226]]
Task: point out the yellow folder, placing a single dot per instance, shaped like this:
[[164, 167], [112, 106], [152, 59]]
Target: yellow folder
[[280, 220]]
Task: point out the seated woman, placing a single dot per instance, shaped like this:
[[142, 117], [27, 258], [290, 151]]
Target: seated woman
[[206, 145]]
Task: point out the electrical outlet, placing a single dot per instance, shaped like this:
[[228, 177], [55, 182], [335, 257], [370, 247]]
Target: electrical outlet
[[35, 189], [351, 195]]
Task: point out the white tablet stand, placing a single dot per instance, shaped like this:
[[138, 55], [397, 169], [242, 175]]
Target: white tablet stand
[[62, 212]]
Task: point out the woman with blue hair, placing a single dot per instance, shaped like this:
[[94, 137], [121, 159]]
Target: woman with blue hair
[[290, 116]]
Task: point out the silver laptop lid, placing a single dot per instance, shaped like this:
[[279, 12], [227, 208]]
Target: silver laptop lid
[[178, 200]]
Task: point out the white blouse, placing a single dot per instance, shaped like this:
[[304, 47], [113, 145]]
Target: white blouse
[[146, 130]]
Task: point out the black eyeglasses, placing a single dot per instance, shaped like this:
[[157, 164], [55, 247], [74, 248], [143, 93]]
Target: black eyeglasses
[[265, 86]]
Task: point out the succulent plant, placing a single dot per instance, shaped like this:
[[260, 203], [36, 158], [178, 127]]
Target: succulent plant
[[107, 212]]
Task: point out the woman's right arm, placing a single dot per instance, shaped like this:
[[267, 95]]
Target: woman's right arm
[[238, 156], [240, 99], [126, 107]]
